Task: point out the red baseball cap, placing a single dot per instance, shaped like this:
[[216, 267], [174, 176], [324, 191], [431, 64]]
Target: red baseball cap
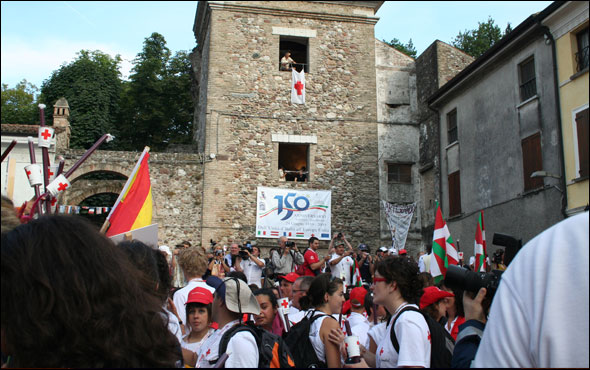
[[432, 295], [403, 251], [200, 295], [357, 296], [290, 277]]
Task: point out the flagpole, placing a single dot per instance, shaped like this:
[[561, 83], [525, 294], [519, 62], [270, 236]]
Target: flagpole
[[106, 223]]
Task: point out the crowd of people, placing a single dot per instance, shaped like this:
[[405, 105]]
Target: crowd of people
[[73, 298]]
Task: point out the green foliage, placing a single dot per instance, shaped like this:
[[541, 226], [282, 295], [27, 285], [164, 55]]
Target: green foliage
[[92, 86], [18, 104], [478, 41], [407, 49], [156, 104]]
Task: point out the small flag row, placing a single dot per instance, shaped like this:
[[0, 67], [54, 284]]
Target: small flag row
[[83, 210]]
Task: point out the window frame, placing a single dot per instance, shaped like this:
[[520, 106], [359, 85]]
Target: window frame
[[530, 83], [452, 132], [582, 51], [454, 190], [532, 160], [579, 139], [400, 176], [296, 39], [307, 158]]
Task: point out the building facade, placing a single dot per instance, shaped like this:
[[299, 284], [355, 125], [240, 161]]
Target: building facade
[[499, 135], [569, 28]]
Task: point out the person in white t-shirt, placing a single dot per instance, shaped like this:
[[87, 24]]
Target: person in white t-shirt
[[539, 314], [341, 261], [193, 262], [359, 325], [252, 265], [198, 313], [396, 286], [232, 299]]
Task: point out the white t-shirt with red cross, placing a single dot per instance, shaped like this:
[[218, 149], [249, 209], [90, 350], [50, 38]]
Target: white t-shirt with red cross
[[413, 337]]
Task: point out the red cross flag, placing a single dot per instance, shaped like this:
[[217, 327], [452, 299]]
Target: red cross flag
[[297, 87], [52, 172], [34, 174], [58, 185], [284, 305], [45, 136]]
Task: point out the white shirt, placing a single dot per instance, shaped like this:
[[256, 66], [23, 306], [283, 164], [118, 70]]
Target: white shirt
[[314, 336], [539, 315], [252, 271], [195, 346], [342, 269], [411, 331], [181, 296], [241, 348], [296, 317], [359, 325], [376, 332], [174, 325]]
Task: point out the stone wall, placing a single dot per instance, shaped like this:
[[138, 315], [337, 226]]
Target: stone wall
[[248, 104], [176, 188]]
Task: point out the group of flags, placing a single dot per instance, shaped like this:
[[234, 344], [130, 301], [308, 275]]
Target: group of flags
[[83, 210], [445, 253]]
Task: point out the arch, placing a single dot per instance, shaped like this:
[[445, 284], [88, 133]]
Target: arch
[[90, 167], [83, 189]]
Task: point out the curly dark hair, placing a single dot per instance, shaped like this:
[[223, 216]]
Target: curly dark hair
[[405, 273], [71, 298]]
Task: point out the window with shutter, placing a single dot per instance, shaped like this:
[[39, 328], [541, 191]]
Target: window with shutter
[[582, 133], [454, 194], [532, 161]]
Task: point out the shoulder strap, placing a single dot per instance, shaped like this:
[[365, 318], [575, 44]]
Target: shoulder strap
[[392, 332], [225, 338]]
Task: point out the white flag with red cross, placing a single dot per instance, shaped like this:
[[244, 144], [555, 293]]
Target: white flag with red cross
[[52, 172], [45, 136], [284, 305], [34, 174], [297, 87], [58, 185]]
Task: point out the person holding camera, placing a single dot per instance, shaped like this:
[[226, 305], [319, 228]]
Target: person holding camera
[[539, 313], [251, 264], [217, 265], [312, 264], [286, 257], [341, 262], [365, 263]]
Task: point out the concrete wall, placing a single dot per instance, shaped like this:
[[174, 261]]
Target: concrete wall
[[248, 101], [491, 122]]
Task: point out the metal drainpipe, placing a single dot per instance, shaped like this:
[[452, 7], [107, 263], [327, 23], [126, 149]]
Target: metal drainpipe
[[547, 32]]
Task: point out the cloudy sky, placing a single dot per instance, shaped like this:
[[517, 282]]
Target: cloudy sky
[[38, 37]]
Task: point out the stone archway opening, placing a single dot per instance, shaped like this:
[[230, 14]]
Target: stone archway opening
[[96, 207]]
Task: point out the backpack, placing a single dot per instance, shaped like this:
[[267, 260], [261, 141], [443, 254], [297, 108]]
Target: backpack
[[298, 341], [442, 343], [272, 350]]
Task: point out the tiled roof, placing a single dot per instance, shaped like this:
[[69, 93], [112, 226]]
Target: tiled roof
[[29, 130]]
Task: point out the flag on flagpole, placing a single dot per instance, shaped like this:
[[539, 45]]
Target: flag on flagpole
[[444, 252], [480, 250], [356, 276], [133, 208], [297, 87]]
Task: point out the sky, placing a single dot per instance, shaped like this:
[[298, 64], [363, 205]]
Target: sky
[[37, 37]]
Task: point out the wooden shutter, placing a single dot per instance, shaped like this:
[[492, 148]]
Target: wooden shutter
[[532, 161], [582, 131], [454, 193]]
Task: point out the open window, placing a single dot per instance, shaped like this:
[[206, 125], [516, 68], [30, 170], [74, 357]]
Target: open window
[[298, 47], [294, 161]]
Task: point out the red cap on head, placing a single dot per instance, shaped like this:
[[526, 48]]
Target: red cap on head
[[357, 296], [432, 295], [290, 277], [402, 252], [200, 295]]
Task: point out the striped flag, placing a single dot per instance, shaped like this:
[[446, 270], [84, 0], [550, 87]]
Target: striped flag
[[480, 250], [443, 248], [133, 208], [356, 275]]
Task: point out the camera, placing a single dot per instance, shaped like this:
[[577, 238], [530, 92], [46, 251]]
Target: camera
[[289, 244], [464, 279], [340, 235], [244, 252], [219, 252], [497, 258]]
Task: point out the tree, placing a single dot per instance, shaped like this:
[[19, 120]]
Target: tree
[[156, 105], [18, 104], [92, 86], [407, 49], [478, 41]]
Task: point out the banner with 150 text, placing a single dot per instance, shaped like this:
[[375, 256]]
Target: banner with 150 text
[[296, 214]]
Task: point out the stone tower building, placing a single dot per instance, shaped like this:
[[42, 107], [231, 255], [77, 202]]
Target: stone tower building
[[247, 126]]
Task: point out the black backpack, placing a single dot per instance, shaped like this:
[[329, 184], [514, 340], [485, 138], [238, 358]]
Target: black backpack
[[298, 341], [442, 343], [272, 350]]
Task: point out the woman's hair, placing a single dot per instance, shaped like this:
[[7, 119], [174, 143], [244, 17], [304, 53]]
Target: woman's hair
[[164, 278], [193, 261], [321, 284], [270, 294], [404, 273], [426, 279], [71, 298], [9, 217], [193, 305]]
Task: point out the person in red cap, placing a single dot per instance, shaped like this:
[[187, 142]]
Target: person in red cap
[[198, 317], [359, 325], [286, 284], [434, 302]]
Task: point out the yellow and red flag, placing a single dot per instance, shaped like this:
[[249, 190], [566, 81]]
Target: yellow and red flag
[[133, 208]]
